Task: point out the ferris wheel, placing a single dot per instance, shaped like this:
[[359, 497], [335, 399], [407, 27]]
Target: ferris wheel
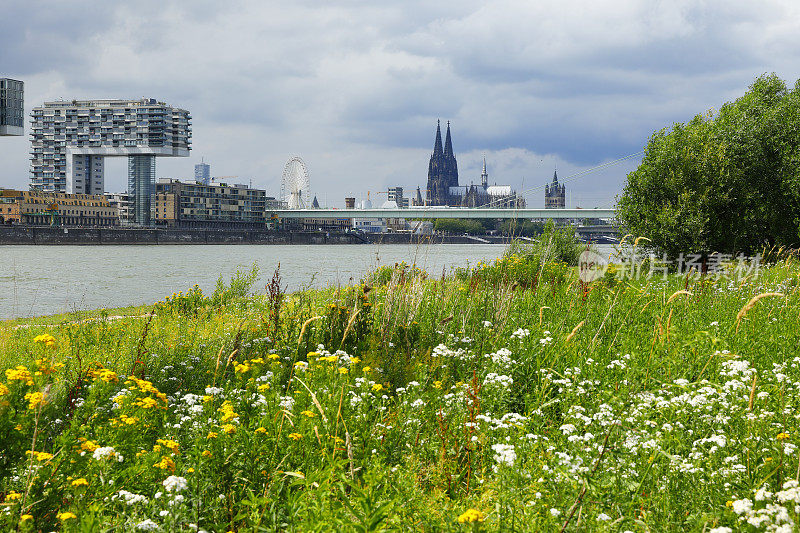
[[295, 185]]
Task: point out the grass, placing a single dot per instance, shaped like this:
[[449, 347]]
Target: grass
[[509, 397]]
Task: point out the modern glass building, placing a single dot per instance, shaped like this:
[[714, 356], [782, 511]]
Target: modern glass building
[[202, 173], [69, 140], [12, 107]]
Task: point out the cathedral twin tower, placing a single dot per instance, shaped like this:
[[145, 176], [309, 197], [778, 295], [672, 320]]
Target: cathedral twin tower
[[442, 170]]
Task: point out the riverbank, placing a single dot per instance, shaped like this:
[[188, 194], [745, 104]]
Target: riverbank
[[502, 397], [44, 235]]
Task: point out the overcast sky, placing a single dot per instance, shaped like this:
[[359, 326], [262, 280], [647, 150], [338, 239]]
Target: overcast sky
[[355, 87]]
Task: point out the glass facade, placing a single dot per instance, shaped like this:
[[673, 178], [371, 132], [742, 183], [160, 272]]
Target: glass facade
[[12, 107], [141, 186]]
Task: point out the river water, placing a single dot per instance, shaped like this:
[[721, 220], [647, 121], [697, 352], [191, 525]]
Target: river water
[[43, 280]]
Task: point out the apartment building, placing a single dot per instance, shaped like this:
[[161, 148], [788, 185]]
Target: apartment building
[[197, 205], [56, 208]]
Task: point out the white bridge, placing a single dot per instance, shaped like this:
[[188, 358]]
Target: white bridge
[[443, 212]]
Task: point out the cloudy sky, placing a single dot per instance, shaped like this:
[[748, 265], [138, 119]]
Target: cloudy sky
[[355, 87]]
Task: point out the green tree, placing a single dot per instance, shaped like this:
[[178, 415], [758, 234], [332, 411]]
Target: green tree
[[728, 183]]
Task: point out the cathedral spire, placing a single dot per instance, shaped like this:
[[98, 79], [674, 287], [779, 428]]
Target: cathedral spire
[[437, 147], [555, 176], [448, 143], [484, 174]]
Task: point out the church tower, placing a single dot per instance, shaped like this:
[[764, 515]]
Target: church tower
[[442, 170], [555, 194]]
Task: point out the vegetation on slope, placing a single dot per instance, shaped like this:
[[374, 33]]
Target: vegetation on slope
[[509, 397]]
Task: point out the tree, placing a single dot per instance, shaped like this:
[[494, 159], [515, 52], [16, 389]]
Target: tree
[[728, 183]]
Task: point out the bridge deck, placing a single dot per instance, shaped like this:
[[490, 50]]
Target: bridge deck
[[452, 212]]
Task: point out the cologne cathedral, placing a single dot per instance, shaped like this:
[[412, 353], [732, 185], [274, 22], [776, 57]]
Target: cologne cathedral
[[443, 187]]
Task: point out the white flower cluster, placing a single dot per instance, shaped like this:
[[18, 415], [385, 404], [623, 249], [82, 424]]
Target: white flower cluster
[[498, 379], [175, 484], [107, 453], [504, 454], [520, 333], [129, 497]]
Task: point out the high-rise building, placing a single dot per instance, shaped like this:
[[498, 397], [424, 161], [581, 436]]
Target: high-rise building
[[194, 205], [202, 173], [555, 194], [396, 195], [69, 140], [12, 107]]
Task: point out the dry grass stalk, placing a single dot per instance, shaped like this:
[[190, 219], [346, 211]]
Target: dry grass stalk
[[636, 242], [678, 293], [303, 329], [749, 305], [313, 399], [574, 331], [752, 393], [349, 325], [669, 322], [541, 311]]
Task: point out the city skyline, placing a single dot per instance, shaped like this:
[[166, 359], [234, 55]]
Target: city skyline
[[354, 87]]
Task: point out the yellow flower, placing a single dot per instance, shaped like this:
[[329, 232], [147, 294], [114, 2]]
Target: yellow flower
[[165, 464], [34, 399], [729, 503], [241, 368], [207, 398], [264, 387], [228, 429], [273, 356], [343, 371], [471, 515], [191, 470], [261, 430], [46, 339], [171, 444], [13, 496], [782, 436], [40, 456], [211, 435], [4, 390], [80, 482], [207, 453], [437, 384], [24, 518], [367, 369], [66, 516], [377, 387], [355, 360], [19, 373], [295, 436], [309, 414]]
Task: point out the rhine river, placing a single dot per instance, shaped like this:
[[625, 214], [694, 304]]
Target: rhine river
[[44, 280]]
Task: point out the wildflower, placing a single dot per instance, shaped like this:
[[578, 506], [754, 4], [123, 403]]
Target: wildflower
[[309, 414], [171, 444], [34, 399], [89, 446], [471, 515], [190, 470], [295, 436], [504, 454], [13, 496], [343, 371], [555, 512], [66, 516], [46, 339], [241, 368], [603, 517], [19, 373], [147, 525], [106, 452], [207, 453], [24, 518], [367, 369], [80, 482], [4, 390], [211, 435], [40, 456], [377, 387], [264, 387], [165, 464], [782, 436], [228, 429], [175, 484], [437, 384]]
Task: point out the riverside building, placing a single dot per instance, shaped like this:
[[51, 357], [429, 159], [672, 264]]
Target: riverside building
[[56, 209], [181, 204], [555, 194], [70, 139], [12, 107]]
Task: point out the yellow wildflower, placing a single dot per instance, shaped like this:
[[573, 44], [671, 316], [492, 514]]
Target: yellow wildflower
[[66, 516], [191, 470], [24, 518], [377, 387], [264, 387], [211, 435], [4, 390], [80, 482], [261, 430], [19, 373], [165, 464], [228, 429], [437, 384], [273, 356], [471, 515], [207, 398], [367, 369], [40, 456], [34, 399], [241, 368], [207, 453], [89, 446], [13, 496], [343, 371], [46, 339], [782, 436], [309, 414], [171, 444], [295, 436]]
